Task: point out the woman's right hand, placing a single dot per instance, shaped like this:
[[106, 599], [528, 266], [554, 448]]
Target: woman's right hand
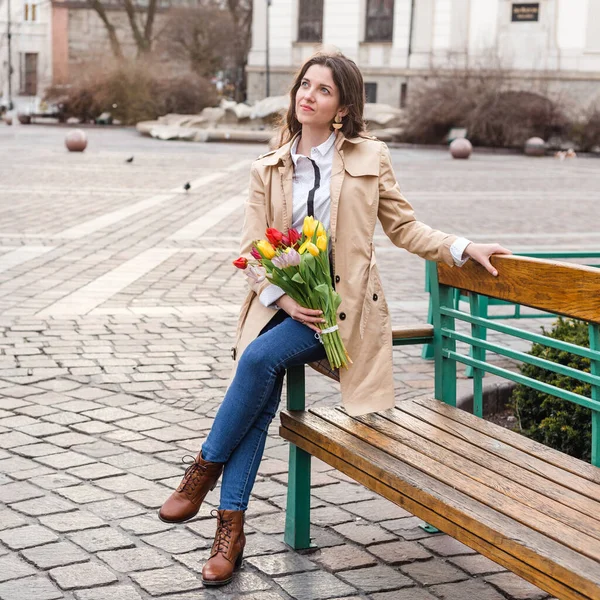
[[307, 316]]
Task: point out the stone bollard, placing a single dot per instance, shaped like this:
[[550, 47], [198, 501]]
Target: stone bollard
[[461, 148], [535, 146], [76, 140]]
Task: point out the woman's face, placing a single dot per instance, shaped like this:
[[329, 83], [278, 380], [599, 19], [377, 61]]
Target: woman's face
[[317, 98]]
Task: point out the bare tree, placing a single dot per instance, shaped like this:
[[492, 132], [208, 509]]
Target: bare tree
[[200, 36], [141, 21], [241, 16]]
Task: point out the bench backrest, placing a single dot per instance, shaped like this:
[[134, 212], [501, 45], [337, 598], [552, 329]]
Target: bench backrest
[[561, 288]]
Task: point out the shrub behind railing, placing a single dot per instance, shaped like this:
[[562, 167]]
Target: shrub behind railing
[[557, 423]]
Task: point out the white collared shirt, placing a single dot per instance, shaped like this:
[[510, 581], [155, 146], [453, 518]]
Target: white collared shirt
[[305, 179]]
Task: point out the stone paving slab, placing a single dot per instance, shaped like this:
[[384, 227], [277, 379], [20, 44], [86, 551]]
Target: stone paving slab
[[102, 394]]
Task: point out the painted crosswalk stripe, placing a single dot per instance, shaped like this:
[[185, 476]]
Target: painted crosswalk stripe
[[196, 228], [101, 289], [103, 221], [19, 256]]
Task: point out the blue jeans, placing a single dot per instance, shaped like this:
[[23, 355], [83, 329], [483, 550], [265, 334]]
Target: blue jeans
[[239, 431]]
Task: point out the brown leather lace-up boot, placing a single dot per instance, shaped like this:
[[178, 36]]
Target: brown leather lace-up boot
[[228, 548], [184, 503]]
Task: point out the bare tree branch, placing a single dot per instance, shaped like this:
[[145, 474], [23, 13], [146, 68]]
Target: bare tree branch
[[152, 6], [241, 15], [135, 30], [201, 36], [112, 34], [142, 38]]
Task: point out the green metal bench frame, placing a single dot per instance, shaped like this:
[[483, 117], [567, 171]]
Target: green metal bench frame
[[444, 315], [480, 309]]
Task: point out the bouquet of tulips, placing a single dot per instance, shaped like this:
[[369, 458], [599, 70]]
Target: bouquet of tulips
[[299, 265]]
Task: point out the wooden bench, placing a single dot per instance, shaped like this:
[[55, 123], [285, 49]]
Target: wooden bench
[[525, 506]]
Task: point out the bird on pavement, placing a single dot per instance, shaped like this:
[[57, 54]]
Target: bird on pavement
[[130, 159], [187, 187]]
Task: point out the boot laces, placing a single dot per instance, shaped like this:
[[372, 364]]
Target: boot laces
[[192, 474], [223, 535]]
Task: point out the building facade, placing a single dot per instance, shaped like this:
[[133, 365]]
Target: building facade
[[52, 39], [395, 42], [28, 24]]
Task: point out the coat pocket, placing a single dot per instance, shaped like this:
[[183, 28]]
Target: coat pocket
[[373, 292]]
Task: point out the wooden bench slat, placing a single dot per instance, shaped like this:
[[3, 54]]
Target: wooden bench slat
[[492, 551], [402, 333], [562, 288], [508, 464], [561, 504], [534, 519], [587, 477], [546, 563], [487, 443]]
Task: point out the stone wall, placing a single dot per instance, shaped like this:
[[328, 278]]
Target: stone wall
[[88, 39]]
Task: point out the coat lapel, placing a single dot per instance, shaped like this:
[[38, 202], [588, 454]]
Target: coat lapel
[[281, 158], [286, 173], [337, 179]]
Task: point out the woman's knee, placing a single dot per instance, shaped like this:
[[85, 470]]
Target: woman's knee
[[258, 358]]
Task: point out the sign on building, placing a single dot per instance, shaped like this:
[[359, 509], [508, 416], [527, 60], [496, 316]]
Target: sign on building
[[526, 11]]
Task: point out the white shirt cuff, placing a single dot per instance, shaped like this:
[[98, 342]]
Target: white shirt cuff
[[270, 295], [457, 250]]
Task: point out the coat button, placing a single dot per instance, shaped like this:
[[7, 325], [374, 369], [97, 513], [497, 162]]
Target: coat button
[[233, 353], [342, 316], [337, 278], [374, 296]]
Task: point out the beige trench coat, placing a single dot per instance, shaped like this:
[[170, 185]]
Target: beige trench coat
[[363, 189]]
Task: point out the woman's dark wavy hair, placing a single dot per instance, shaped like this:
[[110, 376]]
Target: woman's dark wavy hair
[[349, 81]]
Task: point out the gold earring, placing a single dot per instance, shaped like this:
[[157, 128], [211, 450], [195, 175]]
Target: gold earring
[[337, 122]]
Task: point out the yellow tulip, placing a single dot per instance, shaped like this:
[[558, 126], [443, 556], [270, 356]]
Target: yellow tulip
[[266, 249], [320, 230], [312, 249], [322, 243], [309, 226], [302, 248]]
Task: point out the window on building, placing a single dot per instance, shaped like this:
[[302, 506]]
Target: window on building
[[403, 94], [29, 12], [29, 68], [310, 21], [371, 92], [380, 20]]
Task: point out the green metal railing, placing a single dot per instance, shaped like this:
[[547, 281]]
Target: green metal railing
[[446, 357], [297, 515], [480, 307]]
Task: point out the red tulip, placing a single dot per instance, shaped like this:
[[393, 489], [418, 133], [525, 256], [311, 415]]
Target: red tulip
[[294, 236], [274, 236], [285, 240], [240, 263], [255, 253]]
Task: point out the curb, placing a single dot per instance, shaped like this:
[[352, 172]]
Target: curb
[[496, 394]]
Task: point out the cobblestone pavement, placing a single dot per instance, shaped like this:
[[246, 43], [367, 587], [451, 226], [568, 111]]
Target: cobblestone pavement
[[117, 310]]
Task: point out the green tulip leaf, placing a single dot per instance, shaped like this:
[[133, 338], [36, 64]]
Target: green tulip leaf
[[337, 300]]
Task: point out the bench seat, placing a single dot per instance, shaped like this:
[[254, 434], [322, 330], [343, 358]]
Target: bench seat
[[525, 506]]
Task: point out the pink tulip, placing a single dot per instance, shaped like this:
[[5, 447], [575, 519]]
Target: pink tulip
[[280, 261], [257, 274], [293, 258]]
